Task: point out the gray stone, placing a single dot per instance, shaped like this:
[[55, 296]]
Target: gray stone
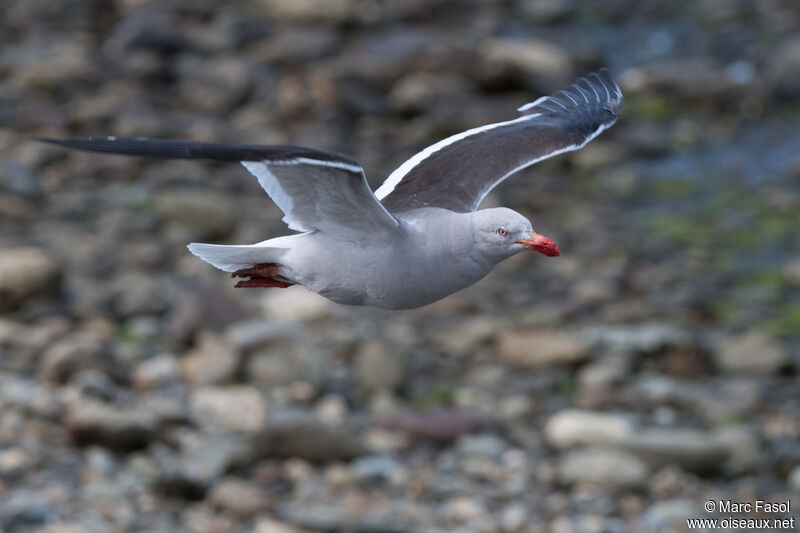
[[381, 468], [92, 422], [248, 335], [213, 85], [299, 10], [379, 368], [210, 362], [547, 11], [417, 92], [15, 461], [136, 293], [572, 427], [238, 496], [25, 272], [482, 444], [298, 43], [240, 408], [24, 509], [642, 338], [203, 461], [63, 527], [669, 515], [297, 305], [268, 525], [743, 450], [691, 449], [536, 349], [157, 371], [603, 374], [70, 355], [528, 56], [28, 396], [205, 308], [468, 335], [751, 353], [792, 270], [299, 434], [608, 468], [793, 480], [93, 383]]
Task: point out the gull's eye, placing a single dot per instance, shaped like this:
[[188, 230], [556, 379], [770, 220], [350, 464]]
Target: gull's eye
[[503, 232]]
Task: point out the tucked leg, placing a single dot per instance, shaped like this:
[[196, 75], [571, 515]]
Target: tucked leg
[[263, 270], [260, 275], [263, 282]]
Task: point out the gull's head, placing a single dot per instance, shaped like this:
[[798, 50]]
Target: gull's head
[[501, 232]]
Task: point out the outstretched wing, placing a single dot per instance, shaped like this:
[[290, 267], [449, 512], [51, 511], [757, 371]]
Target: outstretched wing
[[458, 172], [316, 190]]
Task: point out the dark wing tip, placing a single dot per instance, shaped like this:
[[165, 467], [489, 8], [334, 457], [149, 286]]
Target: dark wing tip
[[596, 91], [175, 149]]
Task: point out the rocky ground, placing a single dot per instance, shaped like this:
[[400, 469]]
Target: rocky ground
[[650, 368]]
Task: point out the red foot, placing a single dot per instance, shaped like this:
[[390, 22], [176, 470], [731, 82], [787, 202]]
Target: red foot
[[263, 270], [262, 282]]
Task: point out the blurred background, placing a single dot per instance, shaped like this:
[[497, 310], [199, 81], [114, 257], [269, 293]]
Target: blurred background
[[653, 366]]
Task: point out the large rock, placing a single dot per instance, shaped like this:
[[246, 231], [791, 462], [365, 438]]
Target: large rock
[[25, 272], [751, 353], [574, 427], [238, 496], [642, 338], [691, 449], [299, 434], [608, 468], [536, 349], [212, 361], [743, 450], [202, 461], [155, 372], [70, 355], [530, 56], [229, 408]]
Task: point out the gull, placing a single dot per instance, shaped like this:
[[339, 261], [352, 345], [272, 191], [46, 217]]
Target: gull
[[420, 236]]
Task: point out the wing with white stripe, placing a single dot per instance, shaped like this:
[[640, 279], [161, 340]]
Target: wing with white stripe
[[458, 172], [316, 190]]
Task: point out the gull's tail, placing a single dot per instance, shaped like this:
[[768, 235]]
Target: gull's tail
[[231, 258]]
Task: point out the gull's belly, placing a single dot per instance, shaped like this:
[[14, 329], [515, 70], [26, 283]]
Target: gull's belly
[[394, 277]]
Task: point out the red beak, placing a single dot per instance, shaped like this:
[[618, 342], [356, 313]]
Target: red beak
[[541, 244]]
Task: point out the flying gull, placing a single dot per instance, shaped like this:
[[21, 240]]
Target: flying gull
[[420, 236]]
